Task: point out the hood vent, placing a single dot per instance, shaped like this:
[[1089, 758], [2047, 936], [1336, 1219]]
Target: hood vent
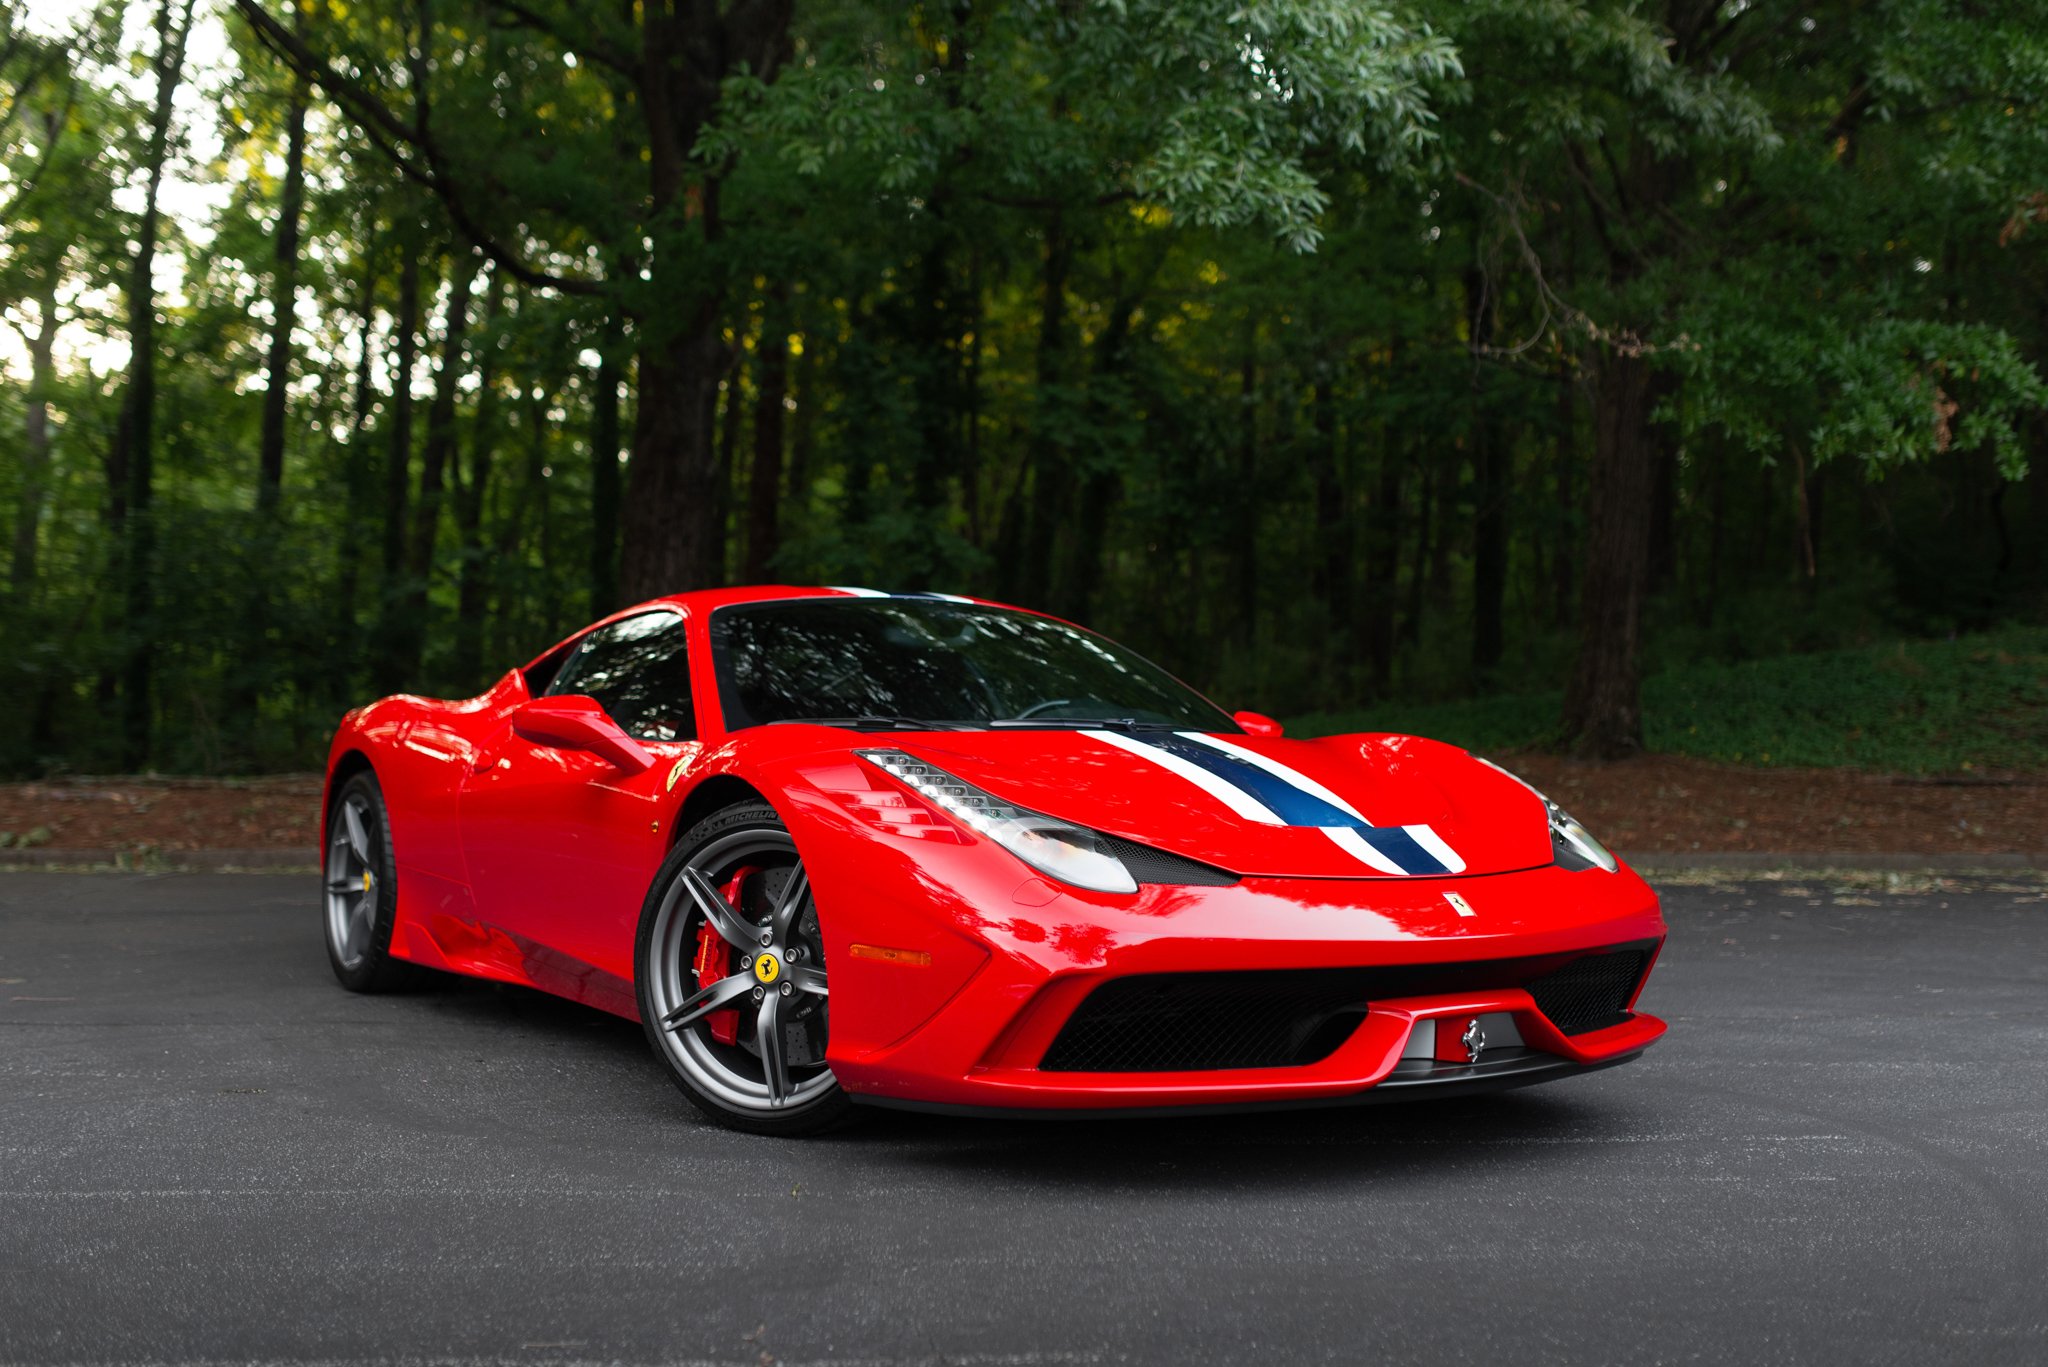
[[1148, 865]]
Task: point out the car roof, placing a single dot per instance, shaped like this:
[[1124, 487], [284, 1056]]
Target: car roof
[[701, 601], [704, 600]]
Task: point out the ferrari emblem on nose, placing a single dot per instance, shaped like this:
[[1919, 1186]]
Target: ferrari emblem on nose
[[1459, 904], [767, 969], [1474, 1040]]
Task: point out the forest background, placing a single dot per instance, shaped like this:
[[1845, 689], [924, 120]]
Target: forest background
[[1459, 365]]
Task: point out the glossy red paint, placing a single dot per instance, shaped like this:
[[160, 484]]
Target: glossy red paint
[[526, 836]]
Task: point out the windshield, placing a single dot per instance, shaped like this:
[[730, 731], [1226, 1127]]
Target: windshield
[[928, 661]]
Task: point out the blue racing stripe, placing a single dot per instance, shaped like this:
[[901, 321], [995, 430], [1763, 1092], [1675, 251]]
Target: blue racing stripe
[[1401, 847], [1287, 802]]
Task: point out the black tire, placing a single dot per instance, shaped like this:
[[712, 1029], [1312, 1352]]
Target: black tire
[[731, 1082], [358, 935]]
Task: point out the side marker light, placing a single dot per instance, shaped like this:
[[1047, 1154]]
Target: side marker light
[[914, 958]]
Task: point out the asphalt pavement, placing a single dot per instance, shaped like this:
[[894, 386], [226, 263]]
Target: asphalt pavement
[[209, 1152]]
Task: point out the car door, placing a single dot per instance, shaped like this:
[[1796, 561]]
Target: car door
[[562, 843]]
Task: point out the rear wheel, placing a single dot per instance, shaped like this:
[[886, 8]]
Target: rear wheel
[[730, 971], [360, 890]]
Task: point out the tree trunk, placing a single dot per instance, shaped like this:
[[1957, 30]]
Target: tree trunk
[[398, 440], [358, 462], [537, 485], [604, 472], [1427, 481], [435, 455], [1095, 490], [1490, 479], [673, 533], [1564, 565], [1602, 707], [388, 667], [436, 452], [803, 433], [1383, 563], [732, 422], [764, 493], [133, 455], [470, 574], [1327, 576], [35, 454], [284, 286], [1717, 522], [1244, 555], [1031, 572], [672, 538]]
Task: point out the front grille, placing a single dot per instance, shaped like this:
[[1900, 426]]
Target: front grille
[[1185, 1022], [1287, 1018], [1148, 865], [1590, 993]]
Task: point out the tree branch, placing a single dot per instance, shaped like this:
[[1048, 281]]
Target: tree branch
[[591, 46], [410, 148]]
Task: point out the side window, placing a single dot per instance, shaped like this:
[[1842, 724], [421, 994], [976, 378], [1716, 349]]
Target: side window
[[638, 669]]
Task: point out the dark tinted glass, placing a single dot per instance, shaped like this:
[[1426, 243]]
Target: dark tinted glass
[[638, 669], [935, 661]]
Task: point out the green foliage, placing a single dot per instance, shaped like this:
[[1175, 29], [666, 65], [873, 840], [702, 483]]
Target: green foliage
[[1909, 707], [1257, 338]]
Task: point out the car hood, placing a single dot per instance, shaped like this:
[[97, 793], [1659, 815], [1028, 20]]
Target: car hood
[[1341, 807]]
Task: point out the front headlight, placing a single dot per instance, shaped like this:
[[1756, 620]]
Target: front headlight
[[1073, 854], [1571, 845]]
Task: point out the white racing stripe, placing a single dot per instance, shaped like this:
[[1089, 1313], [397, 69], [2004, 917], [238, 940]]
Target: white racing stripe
[[1434, 844], [1276, 769], [1231, 796], [1347, 839], [858, 593]]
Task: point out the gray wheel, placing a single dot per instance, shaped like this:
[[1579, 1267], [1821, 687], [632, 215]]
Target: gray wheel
[[732, 978], [359, 890]]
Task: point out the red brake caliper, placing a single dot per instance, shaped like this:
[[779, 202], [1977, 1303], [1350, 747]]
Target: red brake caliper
[[714, 961]]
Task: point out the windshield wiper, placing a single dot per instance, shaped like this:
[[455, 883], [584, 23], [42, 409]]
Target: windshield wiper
[[1085, 723], [877, 721]]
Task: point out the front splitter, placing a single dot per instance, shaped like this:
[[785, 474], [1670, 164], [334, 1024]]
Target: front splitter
[[1414, 1081]]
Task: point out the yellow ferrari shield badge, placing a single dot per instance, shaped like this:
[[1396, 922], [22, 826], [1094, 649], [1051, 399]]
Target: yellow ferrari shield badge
[[767, 969], [675, 772]]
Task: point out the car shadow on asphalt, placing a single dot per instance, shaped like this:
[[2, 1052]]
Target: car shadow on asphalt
[[1283, 1148]]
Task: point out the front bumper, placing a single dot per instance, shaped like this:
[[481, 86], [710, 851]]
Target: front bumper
[[1000, 960]]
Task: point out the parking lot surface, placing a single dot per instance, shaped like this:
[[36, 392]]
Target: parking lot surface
[[210, 1152]]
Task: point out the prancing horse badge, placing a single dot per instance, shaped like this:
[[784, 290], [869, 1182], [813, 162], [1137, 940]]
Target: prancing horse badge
[[1459, 904], [1474, 1040]]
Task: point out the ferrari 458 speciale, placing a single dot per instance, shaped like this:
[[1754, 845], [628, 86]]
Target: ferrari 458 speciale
[[834, 846]]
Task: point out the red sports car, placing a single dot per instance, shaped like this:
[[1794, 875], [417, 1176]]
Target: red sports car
[[833, 846]]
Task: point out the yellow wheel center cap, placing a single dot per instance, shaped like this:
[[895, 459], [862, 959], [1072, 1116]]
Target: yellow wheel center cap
[[767, 968], [366, 880]]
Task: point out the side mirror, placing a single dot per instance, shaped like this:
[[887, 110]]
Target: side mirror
[[576, 722], [1257, 724]]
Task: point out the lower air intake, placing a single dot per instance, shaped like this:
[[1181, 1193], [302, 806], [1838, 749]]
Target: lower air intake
[[1590, 993], [1287, 1018], [1188, 1022]]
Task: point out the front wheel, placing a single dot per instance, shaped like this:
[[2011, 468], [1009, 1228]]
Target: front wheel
[[730, 973], [360, 890]]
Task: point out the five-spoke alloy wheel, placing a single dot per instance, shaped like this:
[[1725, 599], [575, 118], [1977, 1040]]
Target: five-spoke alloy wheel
[[731, 976], [360, 889]]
